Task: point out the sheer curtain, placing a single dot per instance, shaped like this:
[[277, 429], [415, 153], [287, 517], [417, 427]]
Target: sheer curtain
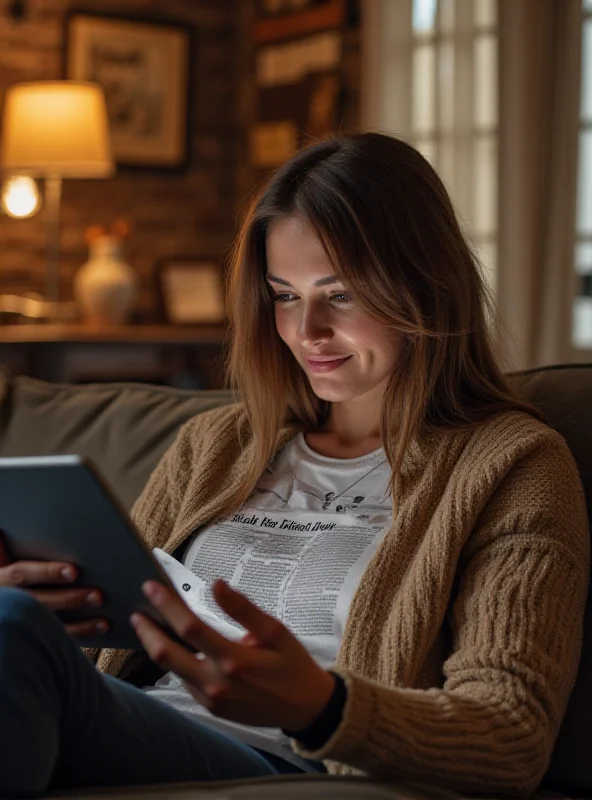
[[430, 76], [489, 91], [540, 47]]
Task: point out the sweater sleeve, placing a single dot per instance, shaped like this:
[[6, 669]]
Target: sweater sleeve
[[516, 621], [157, 507]]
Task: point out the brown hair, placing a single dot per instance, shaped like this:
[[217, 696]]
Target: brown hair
[[390, 231]]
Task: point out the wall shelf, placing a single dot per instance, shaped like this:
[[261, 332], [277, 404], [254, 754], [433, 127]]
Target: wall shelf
[[190, 357]]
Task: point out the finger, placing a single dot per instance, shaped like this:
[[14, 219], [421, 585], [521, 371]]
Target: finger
[[266, 629], [65, 599], [173, 657], [29, 573], [87, 627], [250, 640], [184, 622]]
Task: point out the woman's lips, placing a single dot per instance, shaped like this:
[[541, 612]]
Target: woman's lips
[[326, 365]]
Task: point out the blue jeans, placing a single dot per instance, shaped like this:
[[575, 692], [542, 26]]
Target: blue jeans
[[64, 724]]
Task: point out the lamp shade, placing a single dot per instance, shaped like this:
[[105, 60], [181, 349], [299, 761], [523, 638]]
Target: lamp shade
[[56, 128]]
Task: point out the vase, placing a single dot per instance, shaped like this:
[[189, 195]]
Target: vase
[[106, 287]]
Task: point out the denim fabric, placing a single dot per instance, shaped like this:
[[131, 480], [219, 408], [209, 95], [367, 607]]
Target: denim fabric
[[64, 724]]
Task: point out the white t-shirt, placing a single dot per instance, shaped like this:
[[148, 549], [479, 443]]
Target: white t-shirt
[[297, 549]]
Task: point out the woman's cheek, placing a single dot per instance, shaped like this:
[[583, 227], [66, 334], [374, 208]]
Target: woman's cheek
[[370, 332], [281, 325]]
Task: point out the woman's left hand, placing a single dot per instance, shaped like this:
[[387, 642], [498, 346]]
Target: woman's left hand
[[267, 678]]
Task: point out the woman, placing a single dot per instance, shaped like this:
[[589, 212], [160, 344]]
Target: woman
[[406, 540]]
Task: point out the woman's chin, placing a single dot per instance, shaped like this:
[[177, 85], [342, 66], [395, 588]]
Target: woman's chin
[[332, 394]]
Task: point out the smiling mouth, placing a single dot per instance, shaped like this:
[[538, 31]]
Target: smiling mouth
[[326, 363]]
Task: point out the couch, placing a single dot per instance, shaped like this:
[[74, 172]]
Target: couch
[[126, 427]]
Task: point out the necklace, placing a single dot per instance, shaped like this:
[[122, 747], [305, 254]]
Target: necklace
[[331, 496]]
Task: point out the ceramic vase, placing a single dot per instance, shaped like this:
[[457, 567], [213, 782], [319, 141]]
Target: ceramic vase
[[105, 286]]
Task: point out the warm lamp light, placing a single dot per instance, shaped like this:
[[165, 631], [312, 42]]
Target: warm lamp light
[[20, 197], [55, 130]]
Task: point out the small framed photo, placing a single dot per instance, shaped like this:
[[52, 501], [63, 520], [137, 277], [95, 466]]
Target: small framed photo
[[191, 291], [144, 67]]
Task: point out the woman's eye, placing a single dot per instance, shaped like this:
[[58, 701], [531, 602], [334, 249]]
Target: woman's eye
[[342, 297], [281, 297], [286, 297]]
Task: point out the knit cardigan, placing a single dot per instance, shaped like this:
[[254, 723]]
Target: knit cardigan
[[463, 638]]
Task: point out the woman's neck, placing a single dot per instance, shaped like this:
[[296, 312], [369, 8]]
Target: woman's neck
[[346, 434]]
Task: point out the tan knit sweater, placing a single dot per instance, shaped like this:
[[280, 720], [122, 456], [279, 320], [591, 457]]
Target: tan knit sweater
[[463, 638]]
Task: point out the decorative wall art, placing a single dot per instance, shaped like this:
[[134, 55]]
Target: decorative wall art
[[144, 67]]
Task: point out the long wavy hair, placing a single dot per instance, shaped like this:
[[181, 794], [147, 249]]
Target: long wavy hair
[[389, 229]]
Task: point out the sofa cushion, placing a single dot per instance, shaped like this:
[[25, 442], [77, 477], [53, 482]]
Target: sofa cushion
[[564, 394], [123, 427]]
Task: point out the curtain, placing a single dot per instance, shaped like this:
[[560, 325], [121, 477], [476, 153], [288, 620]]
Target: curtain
[[540, 50]]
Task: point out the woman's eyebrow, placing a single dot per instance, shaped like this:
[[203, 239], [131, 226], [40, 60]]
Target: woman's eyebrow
[[321, 281]]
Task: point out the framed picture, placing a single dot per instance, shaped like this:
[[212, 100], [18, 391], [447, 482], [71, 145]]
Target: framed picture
[[191, 291], [144, 68]]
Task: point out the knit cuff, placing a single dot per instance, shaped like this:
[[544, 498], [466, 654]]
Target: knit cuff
[[325, 725], [352, 732]]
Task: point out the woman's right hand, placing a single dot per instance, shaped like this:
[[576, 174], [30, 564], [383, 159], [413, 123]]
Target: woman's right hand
[[36, 577]]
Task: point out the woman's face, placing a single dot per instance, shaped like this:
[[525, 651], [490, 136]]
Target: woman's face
[[346, 354]]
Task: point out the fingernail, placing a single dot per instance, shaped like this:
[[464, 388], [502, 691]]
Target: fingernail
[[67, 573], [93, 599], [152, 590], [101, 627]]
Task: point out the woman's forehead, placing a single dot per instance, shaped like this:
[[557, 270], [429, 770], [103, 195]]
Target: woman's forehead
[[291, 241]]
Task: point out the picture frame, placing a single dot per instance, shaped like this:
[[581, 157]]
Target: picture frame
[[190, 291], [144, 67]]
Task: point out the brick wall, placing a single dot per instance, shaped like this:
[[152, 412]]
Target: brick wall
[[193, 213]]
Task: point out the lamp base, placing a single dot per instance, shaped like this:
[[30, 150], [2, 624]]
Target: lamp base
[[35, 307]]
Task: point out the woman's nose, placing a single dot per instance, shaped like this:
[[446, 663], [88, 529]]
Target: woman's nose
[[315, 326]]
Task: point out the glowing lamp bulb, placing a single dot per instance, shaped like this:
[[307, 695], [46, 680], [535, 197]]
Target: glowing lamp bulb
[[20, 197]]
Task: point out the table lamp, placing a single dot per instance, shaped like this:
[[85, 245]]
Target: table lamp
[[20, 197], [55, 130]]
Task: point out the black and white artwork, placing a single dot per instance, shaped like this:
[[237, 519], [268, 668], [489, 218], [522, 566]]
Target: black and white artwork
[[144, 70]]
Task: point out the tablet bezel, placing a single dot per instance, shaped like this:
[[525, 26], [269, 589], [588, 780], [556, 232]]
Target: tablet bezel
[[44, 530]]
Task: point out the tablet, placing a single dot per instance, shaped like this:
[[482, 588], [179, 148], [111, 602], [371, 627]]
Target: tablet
[[58, 508]]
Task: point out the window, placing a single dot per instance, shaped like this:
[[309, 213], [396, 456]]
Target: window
[[582, 310], [431, 78]]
